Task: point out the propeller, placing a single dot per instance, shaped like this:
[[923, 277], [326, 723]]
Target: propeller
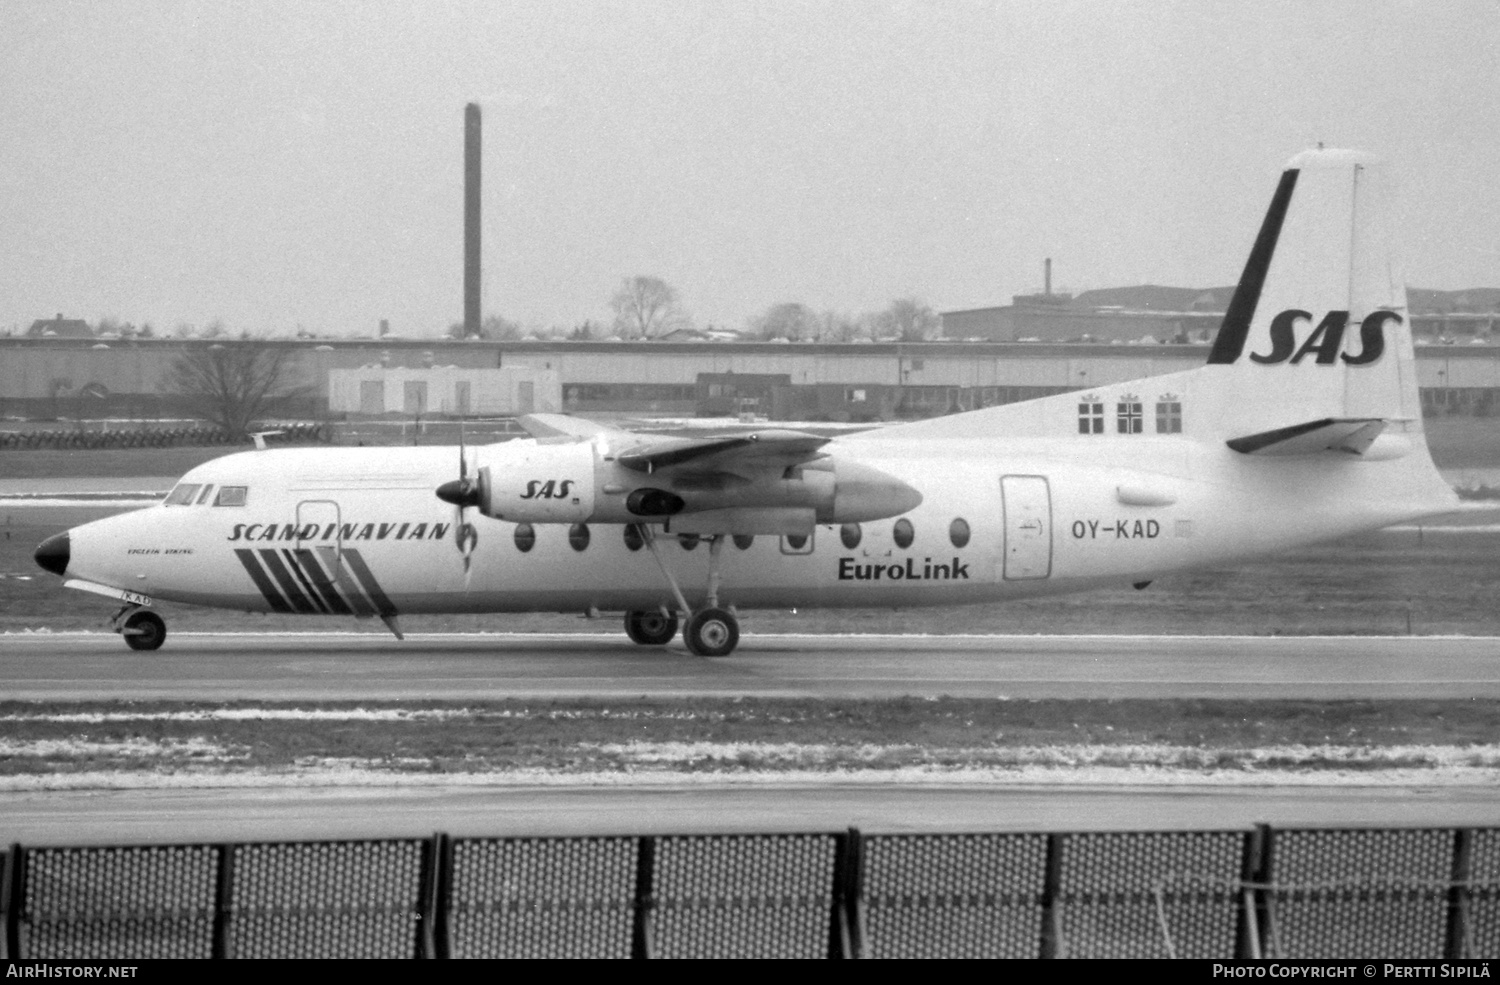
[[463, 493]]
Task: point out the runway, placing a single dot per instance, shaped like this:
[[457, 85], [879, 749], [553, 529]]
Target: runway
[[366, 666], [355, 666]]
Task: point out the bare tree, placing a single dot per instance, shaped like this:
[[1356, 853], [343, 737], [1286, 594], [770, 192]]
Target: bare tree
[[908, 320], [233, 384], [790, 320], [646, 307]]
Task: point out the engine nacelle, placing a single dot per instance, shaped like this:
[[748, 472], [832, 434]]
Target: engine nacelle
[[530, 482]]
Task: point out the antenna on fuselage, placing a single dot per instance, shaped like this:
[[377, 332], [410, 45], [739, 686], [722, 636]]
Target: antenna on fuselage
[[259, 437]]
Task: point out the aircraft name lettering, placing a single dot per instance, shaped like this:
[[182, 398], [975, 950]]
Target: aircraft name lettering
[[851, 570], [345, 531], [551, 489], [1119, 530], [1326, 340], [158, 550]]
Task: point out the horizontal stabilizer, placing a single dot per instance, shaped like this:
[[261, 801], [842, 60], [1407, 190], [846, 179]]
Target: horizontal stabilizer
[[1353, 436], [761, 449]]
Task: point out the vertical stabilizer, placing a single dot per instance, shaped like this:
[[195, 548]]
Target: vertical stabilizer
[[1318, 326]]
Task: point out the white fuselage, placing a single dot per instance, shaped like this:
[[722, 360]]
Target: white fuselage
[[359, 531]]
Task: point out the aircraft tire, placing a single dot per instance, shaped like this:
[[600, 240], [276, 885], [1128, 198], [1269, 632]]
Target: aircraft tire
[[712, 633], [149, 631], [649, 627]]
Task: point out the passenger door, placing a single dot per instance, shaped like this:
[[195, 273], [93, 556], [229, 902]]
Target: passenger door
[[1027, 503]]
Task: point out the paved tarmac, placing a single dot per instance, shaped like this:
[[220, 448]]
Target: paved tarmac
[[333, 666], [300, 813], [220, 667]]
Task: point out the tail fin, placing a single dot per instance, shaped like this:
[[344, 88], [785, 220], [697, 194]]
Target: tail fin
[[1318, 329]]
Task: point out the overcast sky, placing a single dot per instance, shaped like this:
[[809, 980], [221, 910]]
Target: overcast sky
[[291, 163]]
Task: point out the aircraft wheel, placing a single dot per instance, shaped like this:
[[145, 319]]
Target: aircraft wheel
[[649, 627], [145, 631], [712, 633]]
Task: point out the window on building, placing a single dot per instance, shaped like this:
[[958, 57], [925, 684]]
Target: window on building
[[1128, 415], [461, 397], [1169, 415], [1090, 416], [854, 395], [415, 392]]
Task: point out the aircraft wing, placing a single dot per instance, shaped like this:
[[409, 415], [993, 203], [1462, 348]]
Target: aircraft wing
[[759, 451], [563, 426], [1352, 436]]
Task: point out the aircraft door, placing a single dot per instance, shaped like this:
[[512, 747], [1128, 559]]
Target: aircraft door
[[1027, 502], [317, 518]]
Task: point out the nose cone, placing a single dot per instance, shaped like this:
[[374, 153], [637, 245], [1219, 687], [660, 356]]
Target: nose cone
[[53, 553]]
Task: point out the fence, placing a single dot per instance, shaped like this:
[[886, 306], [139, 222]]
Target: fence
[[1291, 893]]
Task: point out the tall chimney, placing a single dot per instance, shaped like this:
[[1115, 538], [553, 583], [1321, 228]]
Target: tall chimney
[[471, 219], [1047, 277]]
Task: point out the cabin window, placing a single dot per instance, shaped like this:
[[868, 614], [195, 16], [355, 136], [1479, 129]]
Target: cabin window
[[525, 537], [183, 495], [578, 536], [849, 534], [958, 532], [796, 544], [743, 541], [1090, 416], [903, 533], [231, 496], [688, 541], [1169, 415], [1128, 415], [634, 540]]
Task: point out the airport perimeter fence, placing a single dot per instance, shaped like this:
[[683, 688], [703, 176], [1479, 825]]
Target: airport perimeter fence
[[1259, 893]]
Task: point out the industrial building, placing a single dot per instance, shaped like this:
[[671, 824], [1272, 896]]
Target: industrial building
[[89, 378]]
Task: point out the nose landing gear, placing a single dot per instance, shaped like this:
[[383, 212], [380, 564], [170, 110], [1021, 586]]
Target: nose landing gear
[[711, 631], [142, 629]]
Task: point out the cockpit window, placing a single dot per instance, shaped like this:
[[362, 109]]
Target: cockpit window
[[231, 496], [203, 496], [183, 495]]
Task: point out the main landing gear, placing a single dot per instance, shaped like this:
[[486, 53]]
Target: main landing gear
[[710, 632], [142, 628]]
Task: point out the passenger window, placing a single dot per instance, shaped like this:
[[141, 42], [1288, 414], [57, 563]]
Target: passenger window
[[850, 533], [183, 495], [231, 496], [688, 541], [578, 536], [633, 537], [743, 541], [525, 537], [958, 532], [796, 544], [903, 533]]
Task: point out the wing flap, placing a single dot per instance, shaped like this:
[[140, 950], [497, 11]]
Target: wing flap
[[1352, 436]]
